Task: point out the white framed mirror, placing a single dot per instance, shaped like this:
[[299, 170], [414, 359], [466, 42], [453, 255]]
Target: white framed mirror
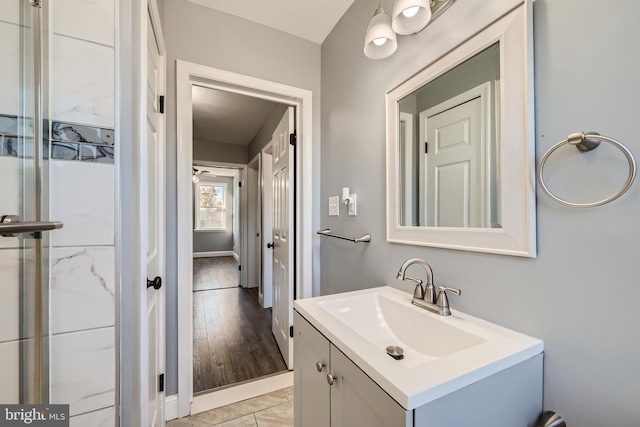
[[460, 146]]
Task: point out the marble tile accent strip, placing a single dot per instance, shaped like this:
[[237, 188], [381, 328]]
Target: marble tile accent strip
[[85, 143], [8, 125], [16, 136], [70, 132]]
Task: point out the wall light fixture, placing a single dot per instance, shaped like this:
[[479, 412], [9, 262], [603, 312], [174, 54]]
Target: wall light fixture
[[407, 17]]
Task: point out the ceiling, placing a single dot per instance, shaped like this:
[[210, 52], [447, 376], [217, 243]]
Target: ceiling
[[226, 117], [229, 118], [312, 20]]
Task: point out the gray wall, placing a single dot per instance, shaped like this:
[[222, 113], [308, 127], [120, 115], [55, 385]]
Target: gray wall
[[204, 36], [212, 241], [581, 293], [219, 152], [265, 134]]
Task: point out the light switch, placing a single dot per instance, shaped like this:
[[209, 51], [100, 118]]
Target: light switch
[[334, 206], [353, 206]]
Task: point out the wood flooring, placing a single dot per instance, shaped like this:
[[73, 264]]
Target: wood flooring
[[215, 273], [232, 338]]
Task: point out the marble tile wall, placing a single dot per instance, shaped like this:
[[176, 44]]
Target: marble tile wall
[[82, 186], [82, 297]]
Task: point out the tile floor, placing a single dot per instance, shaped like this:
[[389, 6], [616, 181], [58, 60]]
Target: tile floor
[[269, 410]]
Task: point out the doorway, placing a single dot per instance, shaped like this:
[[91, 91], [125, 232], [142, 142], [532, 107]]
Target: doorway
[[232, 340], [188, 76]]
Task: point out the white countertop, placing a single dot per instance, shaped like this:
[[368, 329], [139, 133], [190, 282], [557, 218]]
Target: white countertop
[[419, 379]]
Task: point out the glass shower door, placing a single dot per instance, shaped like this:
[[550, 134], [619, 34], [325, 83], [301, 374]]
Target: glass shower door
[[24, 225]]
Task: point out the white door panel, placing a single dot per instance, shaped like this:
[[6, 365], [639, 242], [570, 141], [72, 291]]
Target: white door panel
[[283, 158], [454, 165], [153, 163]]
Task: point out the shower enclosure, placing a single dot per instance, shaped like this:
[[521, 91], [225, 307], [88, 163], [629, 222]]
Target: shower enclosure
[[25, 225]]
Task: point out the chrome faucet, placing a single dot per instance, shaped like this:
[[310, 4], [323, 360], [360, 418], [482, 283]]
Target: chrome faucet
[[426, 297], [428, 293]]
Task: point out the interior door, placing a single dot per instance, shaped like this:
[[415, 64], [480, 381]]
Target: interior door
[[283, 235], [454, 165], [155, 226]]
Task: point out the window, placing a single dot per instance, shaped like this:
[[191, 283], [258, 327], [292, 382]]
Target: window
[[210, 206]]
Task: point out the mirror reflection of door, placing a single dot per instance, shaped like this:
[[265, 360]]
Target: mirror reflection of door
[[448, 145], [456, 178]]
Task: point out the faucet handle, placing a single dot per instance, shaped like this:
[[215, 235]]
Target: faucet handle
[[443, 300], [418, 292], [455, 291]]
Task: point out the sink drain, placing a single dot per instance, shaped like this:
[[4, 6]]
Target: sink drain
[[395, 352]]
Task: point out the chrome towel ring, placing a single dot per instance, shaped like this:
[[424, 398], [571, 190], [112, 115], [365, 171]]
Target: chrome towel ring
[[587, 142]]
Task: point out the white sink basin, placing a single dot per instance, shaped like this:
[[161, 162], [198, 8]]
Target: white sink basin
[[384, 322], [441, 353]]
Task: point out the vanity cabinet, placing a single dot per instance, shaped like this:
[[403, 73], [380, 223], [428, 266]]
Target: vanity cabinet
[[352, 400], [507, 398]]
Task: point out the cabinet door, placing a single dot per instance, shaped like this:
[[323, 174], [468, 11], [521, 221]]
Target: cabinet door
[[357, 401], [311, 391]]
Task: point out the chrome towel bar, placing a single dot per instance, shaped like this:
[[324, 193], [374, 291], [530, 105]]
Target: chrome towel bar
[[587, 142], [365, 238]]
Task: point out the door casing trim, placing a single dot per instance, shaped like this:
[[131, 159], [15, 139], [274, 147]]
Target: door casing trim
[[187, 74]]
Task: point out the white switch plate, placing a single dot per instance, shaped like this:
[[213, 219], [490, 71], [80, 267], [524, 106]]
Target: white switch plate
[[334, 206], [353, 206]]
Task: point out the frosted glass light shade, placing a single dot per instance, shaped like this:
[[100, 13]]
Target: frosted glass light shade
[[411, 21], [380, 41]]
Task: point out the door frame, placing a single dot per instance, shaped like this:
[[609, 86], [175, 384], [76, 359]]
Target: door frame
[[266, 224], [254, 228], [188, 74]]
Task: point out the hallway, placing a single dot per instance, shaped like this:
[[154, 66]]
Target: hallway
[[232, 336]]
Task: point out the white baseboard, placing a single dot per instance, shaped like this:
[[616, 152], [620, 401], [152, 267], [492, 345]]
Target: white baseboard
[[235, 255], [215, 254], [171, 407], [216, 399]]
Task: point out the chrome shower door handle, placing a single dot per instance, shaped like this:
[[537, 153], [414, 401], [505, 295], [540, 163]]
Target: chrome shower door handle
[[11, 226]]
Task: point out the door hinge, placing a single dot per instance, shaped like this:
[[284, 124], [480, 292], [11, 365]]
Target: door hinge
[[239, 268], [426, 147], [161, 104], [239, 183], [161, 382], [293, 139], [291, 331]]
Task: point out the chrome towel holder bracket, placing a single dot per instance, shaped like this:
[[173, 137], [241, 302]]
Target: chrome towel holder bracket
[[362, 239], [587, 142]]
